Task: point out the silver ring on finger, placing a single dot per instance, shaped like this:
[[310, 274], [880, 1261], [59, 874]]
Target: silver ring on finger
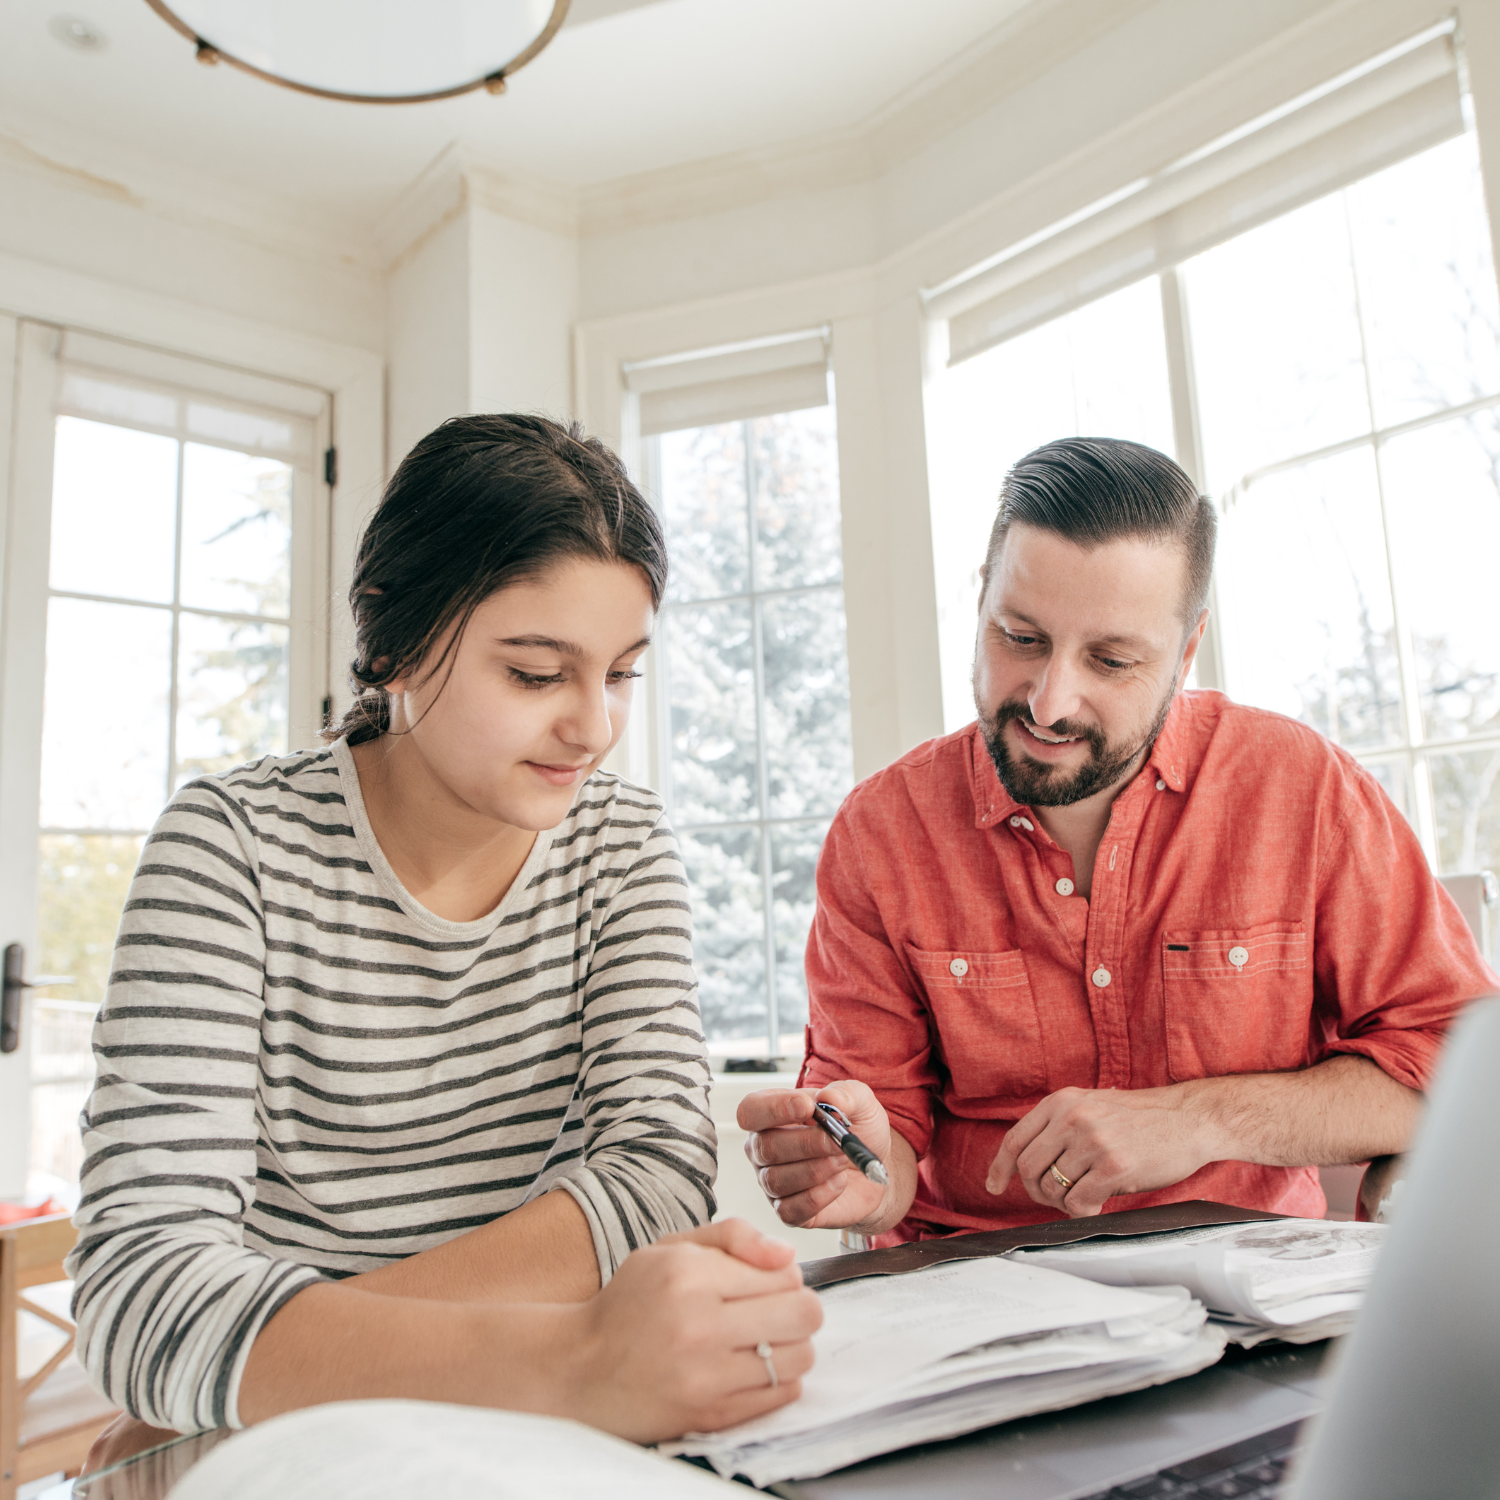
[[764, 1350], [1063, 1182]]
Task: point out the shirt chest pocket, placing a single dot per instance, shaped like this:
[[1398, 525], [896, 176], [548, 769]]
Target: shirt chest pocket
[[1237, 1001], [986, 1021]]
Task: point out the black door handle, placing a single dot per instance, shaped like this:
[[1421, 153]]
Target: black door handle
[[13, 985]]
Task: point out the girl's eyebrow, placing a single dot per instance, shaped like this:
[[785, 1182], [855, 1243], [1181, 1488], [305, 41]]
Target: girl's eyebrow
[[563, 648]]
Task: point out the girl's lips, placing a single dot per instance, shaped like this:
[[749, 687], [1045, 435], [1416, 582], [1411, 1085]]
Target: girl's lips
[[557, 775]]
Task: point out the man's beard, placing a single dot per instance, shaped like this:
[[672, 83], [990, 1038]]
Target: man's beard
[[1032, 783]]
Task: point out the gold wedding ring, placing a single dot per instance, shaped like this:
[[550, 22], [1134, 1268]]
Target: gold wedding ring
[[1063, 1182], [764, 1350]]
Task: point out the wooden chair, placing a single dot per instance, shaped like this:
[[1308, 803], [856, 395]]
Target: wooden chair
[[48, 1420]]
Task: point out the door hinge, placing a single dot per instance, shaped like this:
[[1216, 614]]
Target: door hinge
[[330, 466]]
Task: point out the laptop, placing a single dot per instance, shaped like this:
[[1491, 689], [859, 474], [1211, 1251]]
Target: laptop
[[1412, 1408]]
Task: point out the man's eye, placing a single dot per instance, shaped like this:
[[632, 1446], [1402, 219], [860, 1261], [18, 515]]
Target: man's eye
[[1112, 665], [1020, 640]]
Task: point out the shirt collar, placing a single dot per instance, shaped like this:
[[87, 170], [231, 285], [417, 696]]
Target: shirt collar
[[993, 804]]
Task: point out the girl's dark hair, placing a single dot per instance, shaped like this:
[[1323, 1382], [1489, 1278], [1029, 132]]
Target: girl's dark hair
[[1096, 490], [480, 503]]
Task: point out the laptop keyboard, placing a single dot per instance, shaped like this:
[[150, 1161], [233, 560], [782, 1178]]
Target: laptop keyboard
[[1254, 1469]]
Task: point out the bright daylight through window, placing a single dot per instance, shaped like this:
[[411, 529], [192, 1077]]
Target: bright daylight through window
[[167, 625], [1346, 375], [752, 704]]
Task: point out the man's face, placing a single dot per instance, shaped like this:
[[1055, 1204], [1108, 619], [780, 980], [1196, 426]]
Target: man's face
[[1078, 657]]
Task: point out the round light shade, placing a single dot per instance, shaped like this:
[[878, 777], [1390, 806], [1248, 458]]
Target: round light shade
[[374, 51]]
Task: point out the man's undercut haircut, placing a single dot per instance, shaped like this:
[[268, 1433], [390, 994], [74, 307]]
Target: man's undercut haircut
[[1098, 490]]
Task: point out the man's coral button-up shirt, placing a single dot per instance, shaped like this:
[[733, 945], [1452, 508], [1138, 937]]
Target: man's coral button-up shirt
[[1258, 905]]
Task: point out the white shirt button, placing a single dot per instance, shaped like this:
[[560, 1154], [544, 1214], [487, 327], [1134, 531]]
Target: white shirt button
[[1028, 825], [1239, 957], [1161, 786], [1015, 822], [958, 968], [1101, 976], [1064, 887]]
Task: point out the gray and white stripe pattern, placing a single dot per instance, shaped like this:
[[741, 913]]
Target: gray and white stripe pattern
[[304, 1074]]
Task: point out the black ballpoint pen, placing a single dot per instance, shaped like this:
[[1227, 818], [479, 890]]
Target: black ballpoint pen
[[834, 1123]]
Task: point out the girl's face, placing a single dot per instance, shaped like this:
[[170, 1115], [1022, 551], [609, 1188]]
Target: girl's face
[[538, 694]]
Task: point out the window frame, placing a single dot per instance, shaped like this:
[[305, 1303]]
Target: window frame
[[659, 712], [949, 303]]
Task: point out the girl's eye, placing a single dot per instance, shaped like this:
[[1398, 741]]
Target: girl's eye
[[628, 675], [531, 680]]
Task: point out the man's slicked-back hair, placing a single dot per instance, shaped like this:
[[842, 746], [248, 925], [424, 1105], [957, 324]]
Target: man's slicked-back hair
[[1098, 490]]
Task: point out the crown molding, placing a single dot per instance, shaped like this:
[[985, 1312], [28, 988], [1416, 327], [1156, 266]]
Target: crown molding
[[1021, 49], [452, 182], [98, 169]]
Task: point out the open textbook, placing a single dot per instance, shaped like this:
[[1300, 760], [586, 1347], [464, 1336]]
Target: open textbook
[[1292, 1279], [928, 1355]]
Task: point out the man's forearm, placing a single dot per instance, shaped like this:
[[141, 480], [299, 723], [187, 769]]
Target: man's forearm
[[540, 1252], [1344, 1110]]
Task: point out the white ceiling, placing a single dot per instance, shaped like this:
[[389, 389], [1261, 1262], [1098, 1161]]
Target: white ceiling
[[628, 87]]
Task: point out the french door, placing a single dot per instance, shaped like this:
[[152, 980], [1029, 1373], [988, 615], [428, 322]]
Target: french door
[[164, 616]]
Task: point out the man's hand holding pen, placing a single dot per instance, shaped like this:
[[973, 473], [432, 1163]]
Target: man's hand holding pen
[[805, 1172]]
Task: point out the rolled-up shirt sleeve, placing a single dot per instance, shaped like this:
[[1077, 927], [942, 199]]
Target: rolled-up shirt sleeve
[[167, 1297], [646, 1164], [866, 1019], [1388, 989]]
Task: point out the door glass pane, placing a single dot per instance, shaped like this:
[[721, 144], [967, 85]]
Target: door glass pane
[[114, 510], [82, 881], [796, 499], [809, 760], [1466, 804], [1304, 593], [1099, 372], [1427, 283], [794, 864], [236, 531], [1443, 495], [705, 511], [232, 693], [104, 721], [713, 713], [1276, 342], [729, 952]]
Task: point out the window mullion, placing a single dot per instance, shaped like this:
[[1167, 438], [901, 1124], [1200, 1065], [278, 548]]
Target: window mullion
[[1187, 438], [173, 683], [1418, 780], [762, 765]]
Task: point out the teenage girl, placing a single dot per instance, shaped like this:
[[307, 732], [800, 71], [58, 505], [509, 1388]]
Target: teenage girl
[[400, 1061]]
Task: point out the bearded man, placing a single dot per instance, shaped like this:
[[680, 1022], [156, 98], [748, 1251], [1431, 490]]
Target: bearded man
[[1115, 944]]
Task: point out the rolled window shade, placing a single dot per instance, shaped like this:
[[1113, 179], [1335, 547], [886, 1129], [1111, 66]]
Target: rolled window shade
[[787, 373], [1409, 100]]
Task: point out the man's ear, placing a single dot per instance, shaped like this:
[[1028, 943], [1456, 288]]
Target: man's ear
[[1190, 647]]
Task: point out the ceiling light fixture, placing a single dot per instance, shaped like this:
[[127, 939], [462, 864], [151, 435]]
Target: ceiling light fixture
[[370, 51]]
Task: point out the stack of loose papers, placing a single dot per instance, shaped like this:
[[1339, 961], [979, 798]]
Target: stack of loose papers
[[928, 1355], [1292, 1279]]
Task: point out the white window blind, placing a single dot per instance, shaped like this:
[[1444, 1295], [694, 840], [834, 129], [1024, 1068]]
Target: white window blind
[[788, 372], [1393, 106]]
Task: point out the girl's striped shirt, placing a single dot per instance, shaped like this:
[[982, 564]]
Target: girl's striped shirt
[[303, 1073]]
